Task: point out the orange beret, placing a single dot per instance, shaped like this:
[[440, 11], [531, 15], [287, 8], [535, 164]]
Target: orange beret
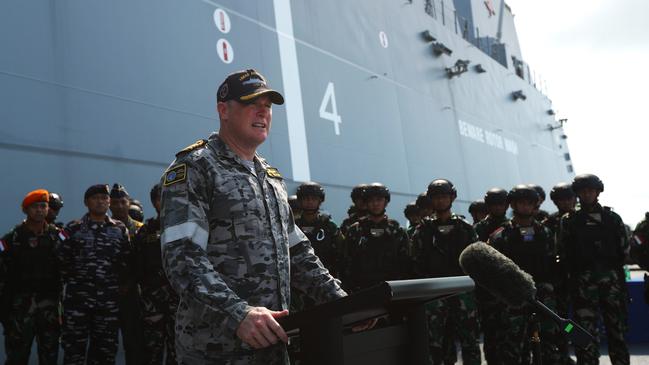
[[36, 196]]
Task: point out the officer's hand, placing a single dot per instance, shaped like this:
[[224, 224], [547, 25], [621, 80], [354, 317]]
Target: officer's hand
[[260, 329]]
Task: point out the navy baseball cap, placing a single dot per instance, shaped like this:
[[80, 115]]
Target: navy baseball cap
[[245, 86]]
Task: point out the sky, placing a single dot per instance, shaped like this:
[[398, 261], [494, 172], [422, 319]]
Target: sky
[[594, 58]]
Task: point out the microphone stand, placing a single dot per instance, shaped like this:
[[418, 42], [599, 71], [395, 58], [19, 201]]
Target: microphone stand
[[536, 339]]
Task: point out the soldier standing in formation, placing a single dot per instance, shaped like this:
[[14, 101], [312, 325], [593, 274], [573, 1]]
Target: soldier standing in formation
[[478, 211], [30, 286], [437, 244], [531, 246], [489, 307], [377, 247], [539, 214], [54, 207], [158, 300], [425, 205], [129, 306], [230, 246], [595, 241], [412, 214], [358, 209], [93, 266], [640, 250]]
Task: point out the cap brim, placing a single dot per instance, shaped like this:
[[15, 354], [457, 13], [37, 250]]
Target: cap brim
[[275, 97]]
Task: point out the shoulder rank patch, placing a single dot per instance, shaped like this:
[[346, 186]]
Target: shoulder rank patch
[[175, 174], [272, 172], [191, 147], [497, 233]]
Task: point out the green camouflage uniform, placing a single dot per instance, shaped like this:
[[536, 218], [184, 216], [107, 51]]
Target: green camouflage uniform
[[158, 300], [375, 252], [229, 243], [94, 266], [489, 307], [595, 243], [436, 249], [347, 222], [533, 249], [30, 290]]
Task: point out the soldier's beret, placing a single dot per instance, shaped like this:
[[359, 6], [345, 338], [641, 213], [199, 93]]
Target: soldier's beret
[[36, 196], [96, 189]]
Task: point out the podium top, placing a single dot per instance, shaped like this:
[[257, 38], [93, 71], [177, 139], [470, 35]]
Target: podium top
[[379, 300]]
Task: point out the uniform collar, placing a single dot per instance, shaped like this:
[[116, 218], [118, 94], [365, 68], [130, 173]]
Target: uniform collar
[[108, 220], [221, 148]]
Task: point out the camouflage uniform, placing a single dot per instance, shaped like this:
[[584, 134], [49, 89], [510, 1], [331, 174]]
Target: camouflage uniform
[[159, 301], [229, 242], [375, 252], [93, 267], [30, 290], [532, 248], [130, 316], [347, 222], [488, 306], [640, 244], [595, 243], [436, 249]]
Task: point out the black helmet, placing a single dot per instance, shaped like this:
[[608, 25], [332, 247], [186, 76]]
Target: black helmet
[[310, 188], [377, 189], [587, 181], [539, 190], [562, 191], [411, 208], [358, 192], [478, 206], [423, 201], [495, 196], [442, 186], [154, 194], [522, 192], [136, 212], [56, 201]]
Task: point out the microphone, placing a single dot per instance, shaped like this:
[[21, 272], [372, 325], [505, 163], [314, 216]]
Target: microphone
[[506, 281]]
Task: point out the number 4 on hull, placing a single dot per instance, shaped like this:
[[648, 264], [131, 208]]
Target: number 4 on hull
[[330, 98]]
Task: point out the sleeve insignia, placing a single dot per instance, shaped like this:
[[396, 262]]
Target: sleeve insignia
[[175, 174], [195, 145], [273, 172], [497, 233]]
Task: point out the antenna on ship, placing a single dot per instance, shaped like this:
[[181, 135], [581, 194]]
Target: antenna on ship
[[499, 34]]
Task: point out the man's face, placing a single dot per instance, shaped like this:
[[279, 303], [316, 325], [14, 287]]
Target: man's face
[[478, 216], [248, 124], [565, 205], [360, 204], [376, 205], [524, 208], [587, 196], [497, 210], [119, 207], [441, 202], [52, 214], [37, 212], [98, 204], [310, 203], [413, 218]]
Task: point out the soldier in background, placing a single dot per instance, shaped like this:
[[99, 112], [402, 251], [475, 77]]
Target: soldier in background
[[640, 250], [159, 301], [565, 200], [357, 210], [130, 316], [478, 211], [322, 232], [488, 306], [93, 267], [437, 244], [54, 208], [412, 214], [595, 242], [30, 284], [539, 214], [425, 205], [377, 247], [136, 210], [531, 246]]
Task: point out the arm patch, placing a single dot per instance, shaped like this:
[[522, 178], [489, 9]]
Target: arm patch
[[175, 174]]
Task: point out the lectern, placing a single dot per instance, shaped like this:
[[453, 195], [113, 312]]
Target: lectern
[[326, 337]]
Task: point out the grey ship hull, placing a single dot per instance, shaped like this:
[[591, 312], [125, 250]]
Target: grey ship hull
[[108, 92]]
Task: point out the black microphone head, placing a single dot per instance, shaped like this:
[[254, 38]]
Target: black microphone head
[[498, 274]]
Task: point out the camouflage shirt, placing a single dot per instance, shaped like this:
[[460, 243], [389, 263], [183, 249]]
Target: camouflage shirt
[[229, 242], [94, 259], [326, 238], [485, 227]]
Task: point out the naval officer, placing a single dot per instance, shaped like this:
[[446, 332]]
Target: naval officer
[[230, 246]]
